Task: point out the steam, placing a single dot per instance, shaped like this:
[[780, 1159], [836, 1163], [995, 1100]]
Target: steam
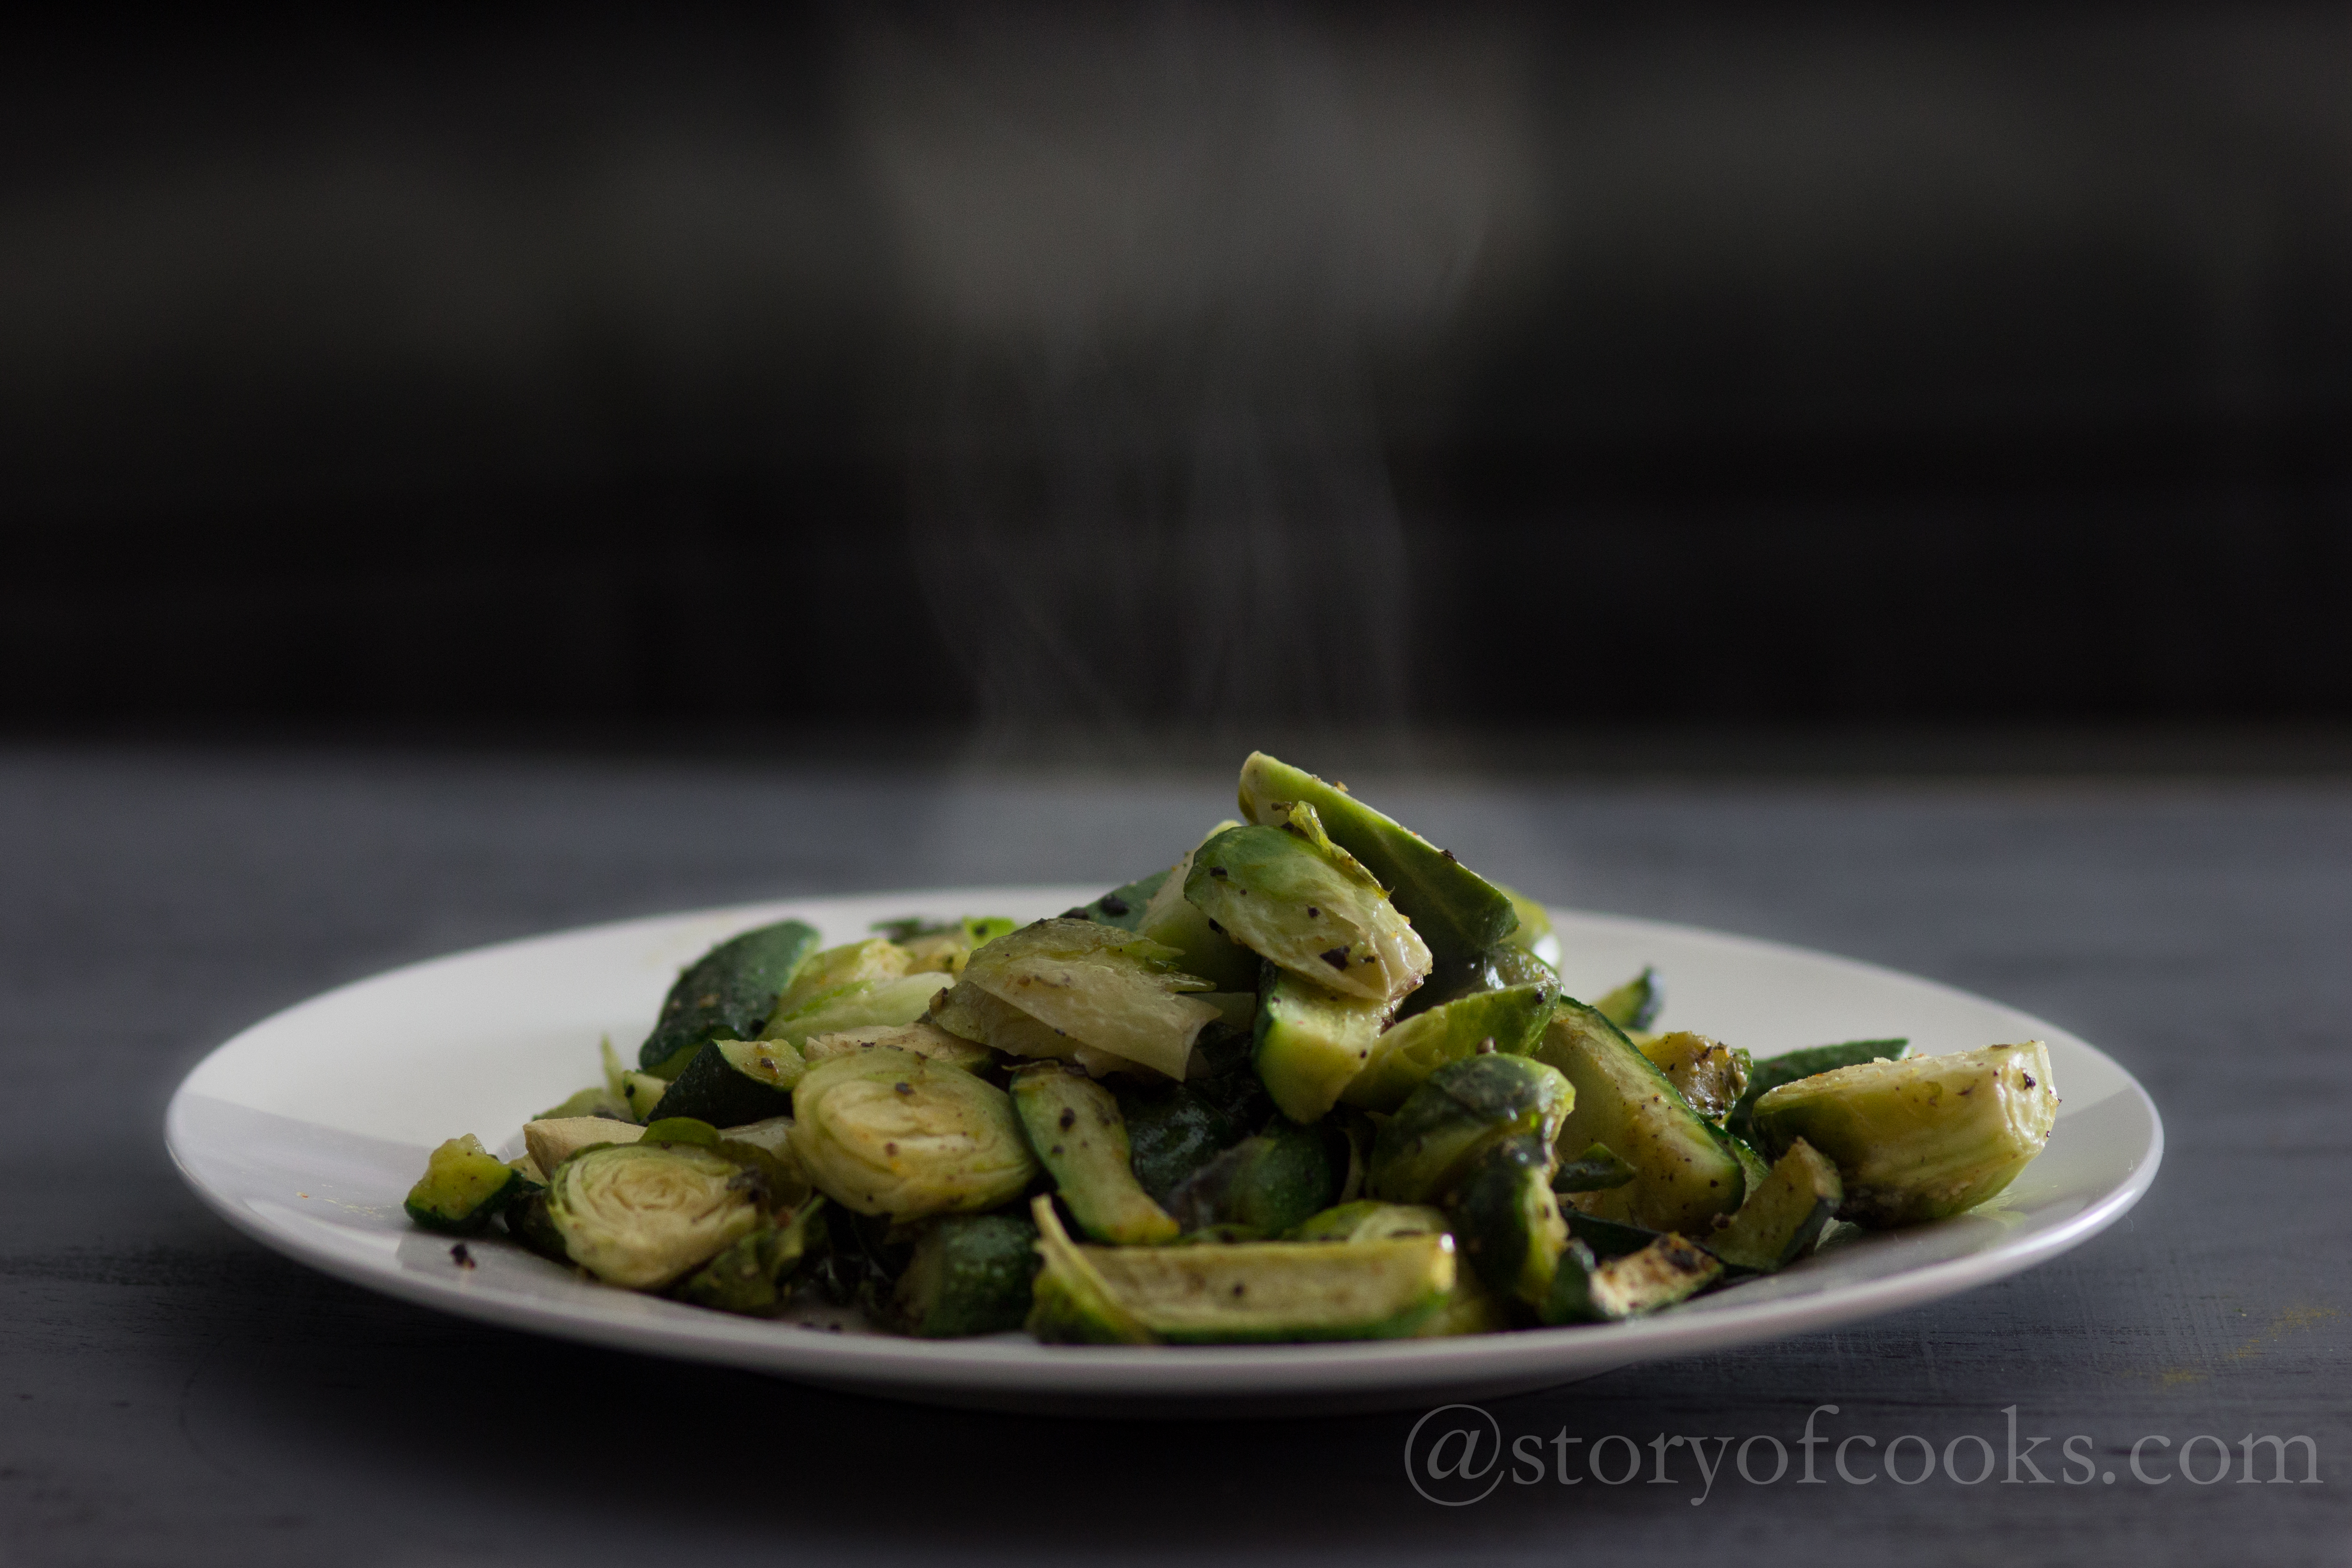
[[1156, 259]]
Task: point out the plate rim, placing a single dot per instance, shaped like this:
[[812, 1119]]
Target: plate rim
[[910, 1368]]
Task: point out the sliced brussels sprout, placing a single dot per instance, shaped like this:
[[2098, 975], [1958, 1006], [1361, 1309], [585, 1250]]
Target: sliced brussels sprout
[[1507, 1221], [594, 1100], [1770, 1074], [754, 1275], [885, 1132], [1597, 1170], [640, 1214], [943, 949], [1684, 1170], [970, 1275], [1710, 1074], [551, 1141], [1175, 921], [1245, 1292], [1634, 1006], [1123, 906], [731, 1082], [463, 1186], [856, 962], [1295, 898], [1497, 969], [1533, 934], [860, 1005], [1310, 1042], [1266, 1184], [1454, 910], [728, 991], [1367, 1219], [1173, 1130], [1923, 1138], [772, 1135], [924, 1039], [1075, 1129], [1100, 986], [1784, 1214], [1465, 1109], [1504, 1023], [1669, 1269]]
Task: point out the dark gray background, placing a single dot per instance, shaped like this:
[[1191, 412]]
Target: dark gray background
[[172, 1393]]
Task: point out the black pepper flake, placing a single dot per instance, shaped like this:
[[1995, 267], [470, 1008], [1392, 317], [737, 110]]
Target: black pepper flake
[[1451, 857], [1487, 1046], [1313, 913], [2028, 1078], [904, 1088], [1111, 904], [460, 1257], [1216, 871], [1237, 1287], [1069, 1119], [1336, 958], [889, 1148]]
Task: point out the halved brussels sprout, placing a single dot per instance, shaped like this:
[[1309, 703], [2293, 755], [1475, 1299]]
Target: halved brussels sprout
[[923, 1037], [754, 1276], [860, 1005], [1507, 1221], [943, 949], [1465, 1108], [1770, 1074], [1922, 1138], [1709, 1073], [1533, 934], [885, 1132], [1502, 1022], [851, 964], [1175, 921], [1632, 1007], [1096, 984], [640, 1214], [1297, 899]]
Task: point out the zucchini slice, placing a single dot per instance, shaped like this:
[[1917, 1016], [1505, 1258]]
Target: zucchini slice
[[1456, 911], [1669, 1269], [1074, 1128], [1923, 1138], [1784, 1214], [1264, 1184], [1505, 1022], [1684, 1170], [1710, 1074], [731, 1083], [1770, 1074], [463, 1186], [970, 1274], [1311, 1042], [728, 991], [1507, 1221]]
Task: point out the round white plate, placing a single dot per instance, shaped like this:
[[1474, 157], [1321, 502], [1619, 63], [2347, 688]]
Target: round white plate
[[306, 1131]]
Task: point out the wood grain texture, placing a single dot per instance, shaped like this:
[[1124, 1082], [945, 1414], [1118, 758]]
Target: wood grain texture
[[174, 1394]]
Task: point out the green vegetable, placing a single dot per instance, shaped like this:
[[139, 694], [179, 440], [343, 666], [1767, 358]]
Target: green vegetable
[[1449, 1122], [1499, 967], [1533, 934], [892, 1001], [1784, 1214], [754, 1275], [1122, 907], [887, 1132], [1710, 1074], [1294, 898], [462, 1185], [923, 1037], [1264, 1184], [1100, 986], [1251, 1291], [1597, 1170], [1669, 1269], [1074, 1128], [1923, 1138], [640, 1214], [1507, 1221], [943, 949], [970, 1275], [552, 1140], [1203, 949], [1685, 1173], [859, 963], [526, 1221], [1310, 1042], [597, 1100], [1608, 1238], [1456, 912], [1770, 1074], [1173, 1130], [1505, 1022], [731, 1082], [728, 992], [1470, 1308], [1634, 1006]]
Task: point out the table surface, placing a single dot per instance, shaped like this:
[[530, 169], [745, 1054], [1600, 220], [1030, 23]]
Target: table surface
[[174, 1394]]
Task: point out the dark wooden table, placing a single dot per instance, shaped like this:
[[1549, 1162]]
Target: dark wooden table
[[175, 1394]]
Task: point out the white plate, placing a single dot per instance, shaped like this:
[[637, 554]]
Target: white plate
[[305, 1131]]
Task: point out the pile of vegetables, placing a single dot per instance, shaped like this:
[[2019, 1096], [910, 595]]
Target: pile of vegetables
[[1318, 1080]]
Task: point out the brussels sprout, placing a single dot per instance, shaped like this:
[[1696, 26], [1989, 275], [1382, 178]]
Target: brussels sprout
[[924, 1039], [1784, 1214], [1074, 1128], [1923, 1138], [1173, 1130], [860, 1005], [754, 1275], [1507, 1221], [1310, 1042], [463, 1186], [1123, 906], [1669, 1269], [1454, 910], [1709, 1073], [943, 949], [1498, 968], [552, 1140], [1175, 921], [885, 1132], [1251, 1291], [1634, 1006], [857, 963], [1501, 1023], [772, 1135], [1293, 897], [1449, 1121], [1685, 1171], [1597, 1170], [1097, 984], [1264, 1184], [1367, 1219], [731, 1082], [728, 992], [970, 1274], [1533, 934], [1770, 1074], [594, 1100], [640, 1214]]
